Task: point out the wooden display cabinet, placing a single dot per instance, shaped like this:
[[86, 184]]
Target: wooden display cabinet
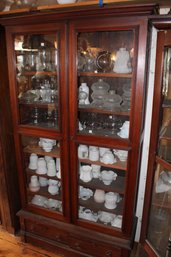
[[77, 88], [156, 224]]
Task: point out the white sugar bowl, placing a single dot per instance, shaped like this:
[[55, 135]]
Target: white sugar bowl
[[107, 176], [53, 188], [108, 158], [111, 199]]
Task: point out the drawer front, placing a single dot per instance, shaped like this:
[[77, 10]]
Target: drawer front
[[48, 232], [82, 244], [94, 248]]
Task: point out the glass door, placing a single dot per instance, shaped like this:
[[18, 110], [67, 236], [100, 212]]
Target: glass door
[[38, 95], [159, 226], [103, 92], [37, 80]]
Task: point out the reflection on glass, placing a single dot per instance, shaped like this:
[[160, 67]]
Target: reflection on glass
[[105, 82], [160, 215], [159, 229], [43, 172], [37, 65], [101, 187]]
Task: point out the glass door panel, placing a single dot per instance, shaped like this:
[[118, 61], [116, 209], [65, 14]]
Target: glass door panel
[[105, 68], [37, 80], [159, 229], [43, 172], [101, 187]]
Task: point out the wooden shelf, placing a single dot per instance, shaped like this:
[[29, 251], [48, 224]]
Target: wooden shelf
[[117, 186], [39, 151], [39, 73], [33, 172], [49, 106], [43, 191], [115, 111], [117, 165], [95, 207], [106, 75]]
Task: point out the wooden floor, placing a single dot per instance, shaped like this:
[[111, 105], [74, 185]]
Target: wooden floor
[[11, 246]]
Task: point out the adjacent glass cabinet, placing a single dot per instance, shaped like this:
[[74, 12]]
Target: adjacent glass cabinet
[[156, 227], [77, 88]]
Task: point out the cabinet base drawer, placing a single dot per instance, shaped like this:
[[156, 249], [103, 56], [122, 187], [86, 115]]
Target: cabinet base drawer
[[64, 239]]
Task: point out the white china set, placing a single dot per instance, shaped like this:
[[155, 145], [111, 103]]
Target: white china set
[[37, 182], [110, 199], [103, 154], [93, 153], [101, 216], [45, 165], [43, 201], [102, 95], [88, 172]]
